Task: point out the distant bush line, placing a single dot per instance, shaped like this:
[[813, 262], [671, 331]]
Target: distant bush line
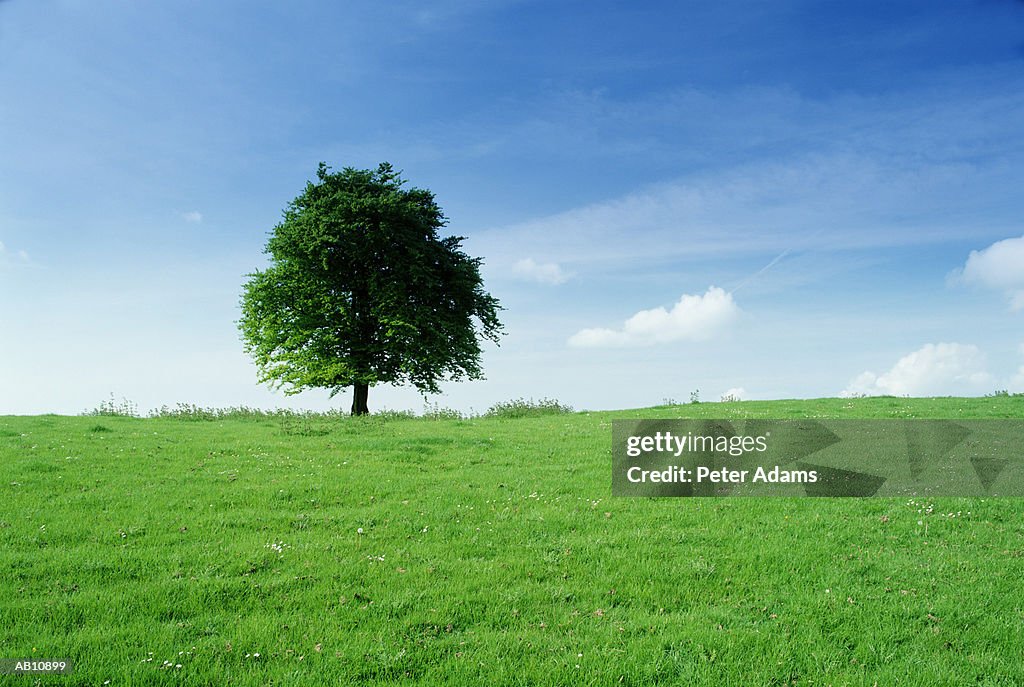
[[513, 409]]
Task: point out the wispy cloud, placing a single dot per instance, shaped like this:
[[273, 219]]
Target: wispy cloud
[[1000, 267], [13, 257], [692, 318], [542, 273], [192, 217], [776, 170], [816, 202], [942, 369]]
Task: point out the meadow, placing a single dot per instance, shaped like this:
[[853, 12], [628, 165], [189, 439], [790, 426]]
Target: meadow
[[277, 549]]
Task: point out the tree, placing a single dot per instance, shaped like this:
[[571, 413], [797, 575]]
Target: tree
[[362, 290]]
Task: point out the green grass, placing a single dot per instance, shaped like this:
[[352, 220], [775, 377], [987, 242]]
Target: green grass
[[490, 552]]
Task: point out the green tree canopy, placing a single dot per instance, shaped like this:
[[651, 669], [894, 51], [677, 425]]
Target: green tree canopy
[[362, 290]]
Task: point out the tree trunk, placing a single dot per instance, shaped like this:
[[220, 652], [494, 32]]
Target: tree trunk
[[360, 393]]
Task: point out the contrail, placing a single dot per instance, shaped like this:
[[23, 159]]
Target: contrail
[[776, 259], [761, 271]]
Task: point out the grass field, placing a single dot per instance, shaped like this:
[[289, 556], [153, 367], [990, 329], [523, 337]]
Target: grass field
[[284, 551]]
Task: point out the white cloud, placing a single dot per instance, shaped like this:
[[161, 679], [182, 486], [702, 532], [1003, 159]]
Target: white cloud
[[693, 318], [1017, 381], [12, 257], [942, 369], [812, 202], [542, 273], [1001, 267], [737, 393], [192, 217]]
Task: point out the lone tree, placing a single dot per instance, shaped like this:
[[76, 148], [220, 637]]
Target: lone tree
[[362, 290]]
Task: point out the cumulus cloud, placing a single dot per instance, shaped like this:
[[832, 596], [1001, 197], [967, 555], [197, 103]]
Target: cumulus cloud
[[942, 369], [1000, 267], [693, 318], [542, 273], [192, 217]]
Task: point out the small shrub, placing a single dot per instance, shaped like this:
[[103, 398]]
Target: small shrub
[[114, 408], [695, 396], [434, 411], [521, 407], [187, 411]]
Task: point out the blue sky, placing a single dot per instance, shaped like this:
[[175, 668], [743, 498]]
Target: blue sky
[[771, 199]]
